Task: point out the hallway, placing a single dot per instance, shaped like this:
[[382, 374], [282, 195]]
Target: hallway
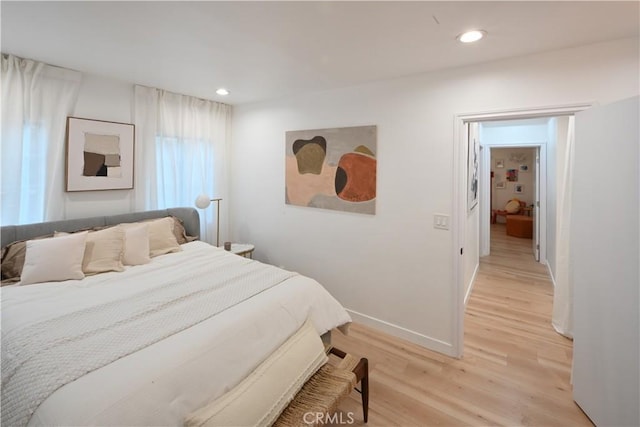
[[515, 369], [508, 328]]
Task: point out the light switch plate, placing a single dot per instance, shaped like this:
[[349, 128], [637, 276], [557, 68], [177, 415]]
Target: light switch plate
[[441, 221]]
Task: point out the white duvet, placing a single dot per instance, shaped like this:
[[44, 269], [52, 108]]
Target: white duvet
[[163, 382]]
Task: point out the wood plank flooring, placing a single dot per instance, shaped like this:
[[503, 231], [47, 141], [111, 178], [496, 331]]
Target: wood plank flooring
[[515, 369]]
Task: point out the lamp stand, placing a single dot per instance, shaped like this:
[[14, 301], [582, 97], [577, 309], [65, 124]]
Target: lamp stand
[[217, 221], [202, 202]]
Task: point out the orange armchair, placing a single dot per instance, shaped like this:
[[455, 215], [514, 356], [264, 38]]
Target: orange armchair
[[513, 207]]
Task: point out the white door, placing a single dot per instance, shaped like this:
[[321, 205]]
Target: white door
[[536, 207], [604, 258]]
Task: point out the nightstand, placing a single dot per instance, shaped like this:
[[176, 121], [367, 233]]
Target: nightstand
[[243, 249]]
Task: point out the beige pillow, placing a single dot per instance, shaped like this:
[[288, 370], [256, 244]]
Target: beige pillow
[[136, 243], [512, 207], [161, 237], [179, 231], [54, 260], [103, 251], [13, 260]]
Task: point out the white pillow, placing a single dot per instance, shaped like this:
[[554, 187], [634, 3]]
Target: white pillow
[[54, 260], [103, 251], [136, 243], [161, 237]]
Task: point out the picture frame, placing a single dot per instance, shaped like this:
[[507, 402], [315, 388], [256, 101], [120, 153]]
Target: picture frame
[[501, 185], [518, 188], [512, 175], [99, 155], [500, 163], [473, 158], [524, 168]]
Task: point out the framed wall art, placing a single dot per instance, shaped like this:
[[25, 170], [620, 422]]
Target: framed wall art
[[473, 160], [512, 175], [99, 155], [332, 168]]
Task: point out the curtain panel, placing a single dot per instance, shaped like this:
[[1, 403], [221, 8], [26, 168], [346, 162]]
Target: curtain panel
[[36, 100], [562, 318], [182, 144]]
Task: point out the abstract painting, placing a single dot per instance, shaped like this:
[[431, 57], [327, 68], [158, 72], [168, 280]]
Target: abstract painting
[[99, 155], [332, 168]]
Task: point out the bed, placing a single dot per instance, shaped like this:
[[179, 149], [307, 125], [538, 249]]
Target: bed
[[152, 343]]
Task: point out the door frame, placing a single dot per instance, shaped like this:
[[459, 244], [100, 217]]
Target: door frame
[[459, 208], [485, 199]]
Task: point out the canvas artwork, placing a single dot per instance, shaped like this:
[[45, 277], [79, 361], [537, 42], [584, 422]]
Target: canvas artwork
[[102, 155], [332, 168], [512, 175], [99, 155]]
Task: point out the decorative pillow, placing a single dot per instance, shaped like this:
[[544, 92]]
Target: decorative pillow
[[136, 243], [54, 260], [103, 251], [513, 206], [161, 237], [13, 260], [180, 232]]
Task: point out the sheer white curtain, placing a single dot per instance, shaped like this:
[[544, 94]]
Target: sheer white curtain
[[181, 151], [36, 100], [562, 319]]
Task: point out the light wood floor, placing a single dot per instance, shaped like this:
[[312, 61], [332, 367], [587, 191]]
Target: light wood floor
[[515, 369]]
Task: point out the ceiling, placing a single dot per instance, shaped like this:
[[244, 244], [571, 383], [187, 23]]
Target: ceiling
[[263, 50]]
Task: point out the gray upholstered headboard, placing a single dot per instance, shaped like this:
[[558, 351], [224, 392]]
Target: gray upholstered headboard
[[11, 233]]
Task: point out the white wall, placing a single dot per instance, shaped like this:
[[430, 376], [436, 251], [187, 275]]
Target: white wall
[[394, 268], [101, 98], [514, 132]]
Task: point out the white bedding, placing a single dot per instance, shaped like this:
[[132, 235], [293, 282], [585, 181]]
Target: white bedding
[[160, 384]]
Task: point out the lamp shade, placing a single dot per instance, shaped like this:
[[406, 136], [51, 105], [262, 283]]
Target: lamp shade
[[203, 201]]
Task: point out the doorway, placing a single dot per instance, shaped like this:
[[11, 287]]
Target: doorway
[[466, 219], [511, 173]]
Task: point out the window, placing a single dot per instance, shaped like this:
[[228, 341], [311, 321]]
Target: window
[[184, 170], [23, 194]]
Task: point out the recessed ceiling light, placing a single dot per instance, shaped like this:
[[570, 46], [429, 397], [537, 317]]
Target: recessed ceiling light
[[471, 36], [222, 91]]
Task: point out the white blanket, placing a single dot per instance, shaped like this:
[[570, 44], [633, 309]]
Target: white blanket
[[260, 398], [163, 382]]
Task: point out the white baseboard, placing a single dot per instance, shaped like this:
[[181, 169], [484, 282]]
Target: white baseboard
[[553, 279], [404, 333], [471, 283]]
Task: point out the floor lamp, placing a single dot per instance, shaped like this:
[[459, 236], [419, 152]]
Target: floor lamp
[[203, 201]]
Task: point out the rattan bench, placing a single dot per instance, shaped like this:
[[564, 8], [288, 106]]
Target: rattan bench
[[325, 389]]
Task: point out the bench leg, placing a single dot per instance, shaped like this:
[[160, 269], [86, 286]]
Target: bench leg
[[365, 391], [362, 374]]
